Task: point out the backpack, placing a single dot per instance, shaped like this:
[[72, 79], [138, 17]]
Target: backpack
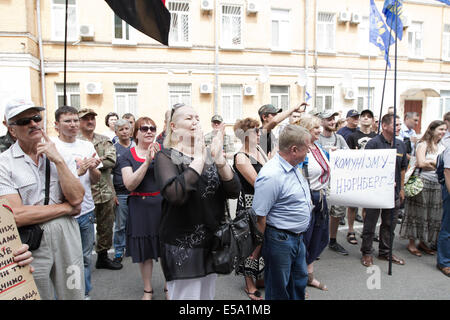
[[440, 168]]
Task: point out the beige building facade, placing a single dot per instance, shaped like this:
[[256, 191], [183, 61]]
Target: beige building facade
[[224, 56]]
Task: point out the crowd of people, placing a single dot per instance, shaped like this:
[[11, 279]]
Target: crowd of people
[[160, 197]]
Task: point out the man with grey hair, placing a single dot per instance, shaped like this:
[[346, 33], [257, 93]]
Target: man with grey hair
[[282, 203], [122, 128], [407, 132]]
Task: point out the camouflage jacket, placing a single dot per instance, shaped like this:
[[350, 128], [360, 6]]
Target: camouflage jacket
[[103, 191], [5, 142]]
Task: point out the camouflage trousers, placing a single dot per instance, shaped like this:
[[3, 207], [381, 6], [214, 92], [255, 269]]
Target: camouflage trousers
[[104, 216]]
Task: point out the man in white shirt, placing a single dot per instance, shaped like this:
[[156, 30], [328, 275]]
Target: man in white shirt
[[407, 130], [59, 258], [83, 153]]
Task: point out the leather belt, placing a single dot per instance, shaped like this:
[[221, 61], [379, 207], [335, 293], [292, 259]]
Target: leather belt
[[286, 231], [145, 194]]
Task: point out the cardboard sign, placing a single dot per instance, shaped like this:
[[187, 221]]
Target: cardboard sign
[[16, 283], [363, 178]]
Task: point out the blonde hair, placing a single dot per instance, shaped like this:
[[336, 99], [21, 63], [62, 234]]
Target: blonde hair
[[169, 141], [308, 122]]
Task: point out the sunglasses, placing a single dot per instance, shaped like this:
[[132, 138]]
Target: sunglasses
[[26, 121], [144, 129], [175, 107]]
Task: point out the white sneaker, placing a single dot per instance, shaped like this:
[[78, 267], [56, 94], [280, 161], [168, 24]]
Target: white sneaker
[[87, 297]]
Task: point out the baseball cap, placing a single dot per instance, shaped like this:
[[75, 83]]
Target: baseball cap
[[85, 111], [367, 111], [17, 106], [217, 117], [268, 108], [327, 114], [352, 113]]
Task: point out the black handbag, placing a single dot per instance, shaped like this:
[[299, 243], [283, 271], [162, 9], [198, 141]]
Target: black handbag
[[32, 234], [235, 240]]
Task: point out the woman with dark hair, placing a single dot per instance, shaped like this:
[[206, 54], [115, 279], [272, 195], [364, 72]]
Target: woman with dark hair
[[423, 212], [144, 201], [110, 119], [247, 163]]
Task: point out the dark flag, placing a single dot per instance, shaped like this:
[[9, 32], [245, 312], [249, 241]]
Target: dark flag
[[148, 16]]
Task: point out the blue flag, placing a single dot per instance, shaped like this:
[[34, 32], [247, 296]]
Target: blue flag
[[393, 16], [379, 34], [447, 2]]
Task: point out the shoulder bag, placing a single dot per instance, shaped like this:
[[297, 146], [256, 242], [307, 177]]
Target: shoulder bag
[[414, 185], [235, 239], [32, 234]]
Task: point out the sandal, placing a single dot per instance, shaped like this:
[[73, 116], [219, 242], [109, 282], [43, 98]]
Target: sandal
[[414, 252], [367, 261], [395, 260], [351, 238], [256, 294], [320, 286], [149, 292], [425, 249]]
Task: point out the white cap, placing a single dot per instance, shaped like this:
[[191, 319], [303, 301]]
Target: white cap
[[17, 106]]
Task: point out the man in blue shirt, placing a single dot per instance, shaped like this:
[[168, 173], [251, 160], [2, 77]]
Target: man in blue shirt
[[352, 124], [283, 205]]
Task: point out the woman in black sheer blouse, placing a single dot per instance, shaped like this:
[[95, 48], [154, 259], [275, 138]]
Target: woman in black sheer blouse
[[195, 183]]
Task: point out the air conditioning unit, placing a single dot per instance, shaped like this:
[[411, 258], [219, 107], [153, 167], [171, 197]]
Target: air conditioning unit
[[344, 16], [252, 6], [206, 88], [249, 90], [405, 20], [349, 94], [87, 32], [206, 5], [356, 18], [94, 88]]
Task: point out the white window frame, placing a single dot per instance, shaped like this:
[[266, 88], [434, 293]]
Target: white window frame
[[123, 41], [126, 95], [366, 48], [415, 33], [279, 95], [444, 102], [363, 97], [323, 35], [282, 18], [72, 7], [322, 93], [70, 91], [232, 92], [228, 43], [180, 32], [446, 43], [180, 92]]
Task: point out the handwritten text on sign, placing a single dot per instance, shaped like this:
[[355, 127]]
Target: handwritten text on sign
[[16, 282], [363, 178]]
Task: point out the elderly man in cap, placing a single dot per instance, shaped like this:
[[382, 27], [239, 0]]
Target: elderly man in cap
[[352, 124], [219, 127], [270, 117], [23, 170], [332, 141], [102, 191]]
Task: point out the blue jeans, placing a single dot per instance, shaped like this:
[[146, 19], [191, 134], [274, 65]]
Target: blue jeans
[[443, 242], [86, 223], [120, 224], [285, 270]]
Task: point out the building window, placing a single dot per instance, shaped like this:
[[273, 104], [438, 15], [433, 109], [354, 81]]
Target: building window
[[415, 43], [366, 48], [446, 43], [231, 22], [179, 93], [59, 20], [365, 98], [72, 94], [231, 102], [280, 29], [123, 32], [279, 96], [324, 98], [326, 32], [179, 23], [445, 102], [125, 98]]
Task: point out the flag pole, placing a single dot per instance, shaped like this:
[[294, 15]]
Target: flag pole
[[65, 53]]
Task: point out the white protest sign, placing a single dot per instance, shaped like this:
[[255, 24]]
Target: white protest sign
[[363, 178]]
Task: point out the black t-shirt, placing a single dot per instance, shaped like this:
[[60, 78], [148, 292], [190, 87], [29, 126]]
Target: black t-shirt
[[358, 139], [401, 163], [267, 141]]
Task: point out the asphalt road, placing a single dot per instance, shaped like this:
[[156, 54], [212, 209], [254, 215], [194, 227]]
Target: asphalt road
[[345, 277]]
